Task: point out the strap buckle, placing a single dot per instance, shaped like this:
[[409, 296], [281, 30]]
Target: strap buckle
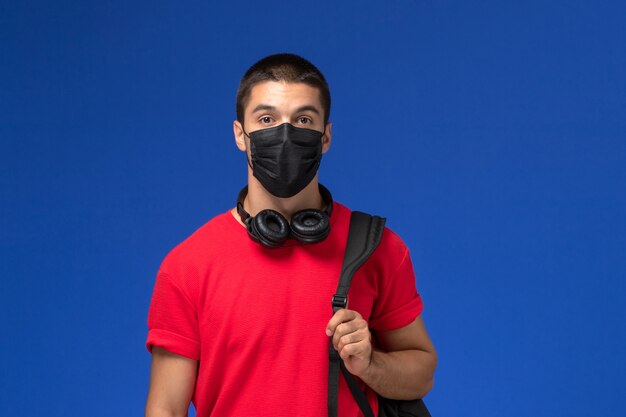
[[339, 302]]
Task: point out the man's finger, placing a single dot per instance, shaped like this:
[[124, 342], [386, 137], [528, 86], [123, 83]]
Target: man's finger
[[339, 317], [354, 349], [355, 337], [351, 330]]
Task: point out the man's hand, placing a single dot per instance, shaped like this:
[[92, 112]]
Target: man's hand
[[403, 370], [352, 339]]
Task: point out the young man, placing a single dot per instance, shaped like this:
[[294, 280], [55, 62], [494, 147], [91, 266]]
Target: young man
[[240, 317]]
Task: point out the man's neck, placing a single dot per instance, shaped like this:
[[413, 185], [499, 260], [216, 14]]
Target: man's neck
[[259, 198]]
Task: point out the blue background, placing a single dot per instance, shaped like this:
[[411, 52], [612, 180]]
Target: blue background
[[491, 134]]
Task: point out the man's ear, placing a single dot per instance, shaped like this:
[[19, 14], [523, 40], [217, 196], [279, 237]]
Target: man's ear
[[240, 138], [326, 139]]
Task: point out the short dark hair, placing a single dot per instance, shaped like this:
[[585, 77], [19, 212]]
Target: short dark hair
[[282, 67]]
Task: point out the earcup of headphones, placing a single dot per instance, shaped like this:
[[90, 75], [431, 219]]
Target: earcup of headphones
[[269, 227], [310, 225]]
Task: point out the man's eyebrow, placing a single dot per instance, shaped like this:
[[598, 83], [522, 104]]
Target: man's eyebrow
[[268, 107], [308, 107], [263, 107]]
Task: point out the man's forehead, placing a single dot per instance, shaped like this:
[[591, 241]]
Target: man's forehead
[[284, 94]]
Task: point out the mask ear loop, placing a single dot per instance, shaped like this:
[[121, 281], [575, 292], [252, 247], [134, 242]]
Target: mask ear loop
[[244, 142]]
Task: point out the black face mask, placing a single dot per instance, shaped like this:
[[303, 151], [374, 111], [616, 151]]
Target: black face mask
[[285, 158]]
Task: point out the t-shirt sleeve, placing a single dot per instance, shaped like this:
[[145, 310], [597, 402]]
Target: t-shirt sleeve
[[172, 319], [398, 303]]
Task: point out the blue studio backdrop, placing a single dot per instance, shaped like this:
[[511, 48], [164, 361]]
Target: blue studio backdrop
[[491, 134]]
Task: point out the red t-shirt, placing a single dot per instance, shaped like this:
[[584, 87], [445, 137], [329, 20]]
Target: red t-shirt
[[255, 317]]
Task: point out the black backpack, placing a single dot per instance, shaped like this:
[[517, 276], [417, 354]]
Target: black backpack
[[364, 235]]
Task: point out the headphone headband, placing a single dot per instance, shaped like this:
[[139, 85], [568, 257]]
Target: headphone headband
[[244, 215]]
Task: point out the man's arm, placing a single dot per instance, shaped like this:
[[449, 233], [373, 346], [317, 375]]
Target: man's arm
[[403, 369], [172, 381]]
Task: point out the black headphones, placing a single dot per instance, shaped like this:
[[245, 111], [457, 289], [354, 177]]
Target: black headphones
[[271, 229]]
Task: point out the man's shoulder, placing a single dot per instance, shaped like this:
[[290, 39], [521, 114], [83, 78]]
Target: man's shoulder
[[391, 250], [390, 241], [202, 241]]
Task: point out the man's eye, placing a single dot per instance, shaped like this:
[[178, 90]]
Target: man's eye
[[266, 119], [304, 120]]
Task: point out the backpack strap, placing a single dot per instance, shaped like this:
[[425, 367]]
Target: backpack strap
[[364, 235]]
